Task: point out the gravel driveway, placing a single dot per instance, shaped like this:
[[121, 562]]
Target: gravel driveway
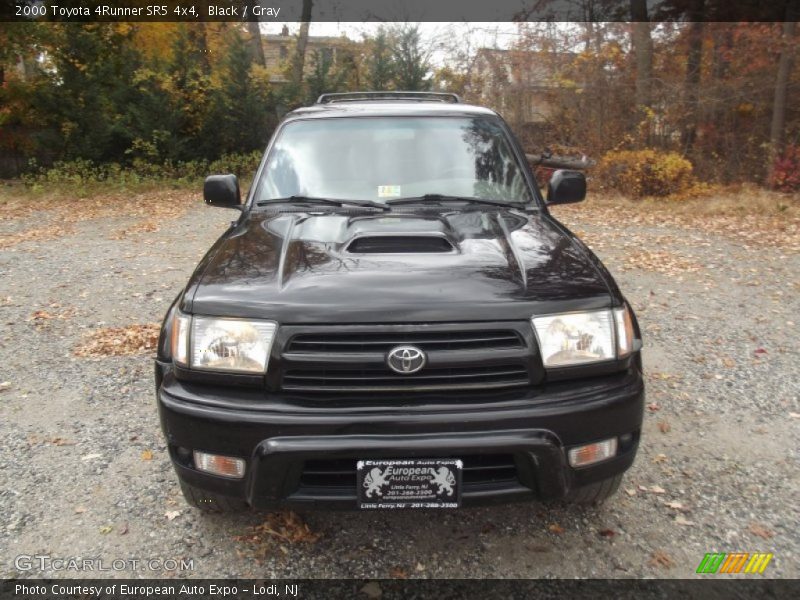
[[83, 468]]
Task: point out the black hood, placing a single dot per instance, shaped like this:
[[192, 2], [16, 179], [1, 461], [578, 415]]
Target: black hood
[[395, 267]]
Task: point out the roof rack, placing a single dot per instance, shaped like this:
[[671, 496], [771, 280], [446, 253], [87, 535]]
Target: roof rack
[[418, 96]]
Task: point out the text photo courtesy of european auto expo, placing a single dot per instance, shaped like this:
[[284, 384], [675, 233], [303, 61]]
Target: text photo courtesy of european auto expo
[[381, 300]]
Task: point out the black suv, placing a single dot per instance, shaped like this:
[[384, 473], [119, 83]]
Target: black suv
[[395, 320]]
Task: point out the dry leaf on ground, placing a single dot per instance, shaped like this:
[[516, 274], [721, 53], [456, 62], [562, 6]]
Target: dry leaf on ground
[[659, 558], [398, 573], [119, 341], [761, 531], [607, 533], [281, 526], [555, 528]]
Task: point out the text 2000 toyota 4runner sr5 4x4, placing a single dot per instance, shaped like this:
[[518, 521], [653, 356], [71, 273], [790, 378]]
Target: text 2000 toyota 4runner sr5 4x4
[[395, 320]]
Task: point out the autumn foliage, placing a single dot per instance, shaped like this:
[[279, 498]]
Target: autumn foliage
[[640, 173]]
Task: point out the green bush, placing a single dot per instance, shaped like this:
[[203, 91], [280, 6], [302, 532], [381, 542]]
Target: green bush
[[641, 173], [81, 176]]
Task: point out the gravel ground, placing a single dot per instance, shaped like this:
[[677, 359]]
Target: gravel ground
[[717, 468]]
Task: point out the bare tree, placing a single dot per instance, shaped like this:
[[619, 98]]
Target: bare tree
[[302, 41], [254, 43], [694, 62], [778, 126], [643, 49]]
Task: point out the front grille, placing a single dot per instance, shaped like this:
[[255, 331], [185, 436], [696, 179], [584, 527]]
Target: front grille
[[336, 359], [384, 341], [383, 379], [479, 469]]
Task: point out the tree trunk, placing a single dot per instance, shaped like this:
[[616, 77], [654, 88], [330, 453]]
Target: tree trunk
[[694, 60], [302, 41], [778, 128], [254, 43], [643, 49]]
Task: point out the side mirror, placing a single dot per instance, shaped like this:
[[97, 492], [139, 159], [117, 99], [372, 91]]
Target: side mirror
[[566, 187], [222, 190]]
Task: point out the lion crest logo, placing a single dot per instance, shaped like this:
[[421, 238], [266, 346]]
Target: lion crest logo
[[374, 481], [445, 479]]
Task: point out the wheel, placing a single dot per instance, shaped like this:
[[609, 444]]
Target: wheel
[[595, 493], [211, 502]]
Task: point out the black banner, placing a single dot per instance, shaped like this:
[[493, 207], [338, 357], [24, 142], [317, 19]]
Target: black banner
[[391, 10], [389, 589]]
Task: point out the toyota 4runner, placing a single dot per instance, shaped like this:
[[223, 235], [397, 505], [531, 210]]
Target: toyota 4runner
[[395, 320]]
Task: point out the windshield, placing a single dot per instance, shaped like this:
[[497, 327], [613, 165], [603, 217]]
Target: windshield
[[379, 158]]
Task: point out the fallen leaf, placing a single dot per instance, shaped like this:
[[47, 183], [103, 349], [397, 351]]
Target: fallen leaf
[[657, 489], [284, 526], [398, 573], [58, 441], [674, 505], [5, 386], [654, 407], [630, 491], [664, 426], [660, 458], [147, 455], [681, 520], [372, 590], [40, 315], [555, 528], [761, 531], [80, 509], [660, 558], [729, 362], [759, 351], [106, 529], [607, 533], [172, 514], [420, 567], [642, 488], [119, 341]]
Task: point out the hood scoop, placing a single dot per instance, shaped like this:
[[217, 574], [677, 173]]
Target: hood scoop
[[405, 243]]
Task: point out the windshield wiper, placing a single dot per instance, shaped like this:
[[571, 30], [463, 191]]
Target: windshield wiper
[[317, 200], [442, 198]]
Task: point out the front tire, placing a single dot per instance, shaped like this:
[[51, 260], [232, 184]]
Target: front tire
[[594, 493]]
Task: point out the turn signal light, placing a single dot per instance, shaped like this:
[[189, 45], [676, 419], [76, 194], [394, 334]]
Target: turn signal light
[[225, 466], [583, 456]]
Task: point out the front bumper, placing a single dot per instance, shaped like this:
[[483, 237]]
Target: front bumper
[[286, 442]]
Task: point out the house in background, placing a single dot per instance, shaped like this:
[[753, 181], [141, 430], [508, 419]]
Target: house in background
[[519, 84], [279, 51]]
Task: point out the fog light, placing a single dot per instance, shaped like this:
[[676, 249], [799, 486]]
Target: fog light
[[583, 456], [226, 466]]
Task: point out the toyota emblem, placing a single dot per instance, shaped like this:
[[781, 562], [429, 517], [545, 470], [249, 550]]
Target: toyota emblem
[[405, 359]]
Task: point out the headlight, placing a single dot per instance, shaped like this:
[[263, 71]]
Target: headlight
[[222, 344], [575, 338]]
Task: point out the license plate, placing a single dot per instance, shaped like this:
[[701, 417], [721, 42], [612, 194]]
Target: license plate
[[412, 483]]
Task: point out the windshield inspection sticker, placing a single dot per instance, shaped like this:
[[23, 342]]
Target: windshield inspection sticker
[[388, 191], [416, 483]]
